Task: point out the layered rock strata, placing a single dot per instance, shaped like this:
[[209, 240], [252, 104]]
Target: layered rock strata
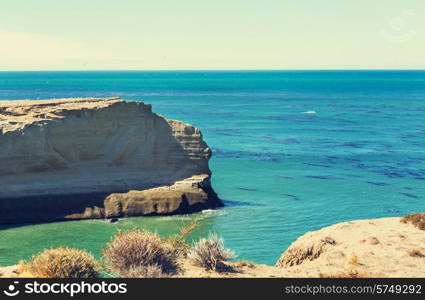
[[96, 158]]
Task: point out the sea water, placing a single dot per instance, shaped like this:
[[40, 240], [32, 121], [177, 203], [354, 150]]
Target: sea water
[[293, 151]]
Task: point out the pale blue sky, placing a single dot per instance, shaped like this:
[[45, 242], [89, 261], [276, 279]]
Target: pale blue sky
[[220, 34]]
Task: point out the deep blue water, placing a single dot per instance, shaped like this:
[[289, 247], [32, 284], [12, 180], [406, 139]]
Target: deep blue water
[[293, 150]]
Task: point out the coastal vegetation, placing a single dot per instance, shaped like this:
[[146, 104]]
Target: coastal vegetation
[[139, 253], [210, 253], [416, 219], [130, 254], [353, 259], [61, 263], [386, 247]]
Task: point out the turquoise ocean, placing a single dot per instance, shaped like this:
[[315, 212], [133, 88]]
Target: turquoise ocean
[[293, 151]]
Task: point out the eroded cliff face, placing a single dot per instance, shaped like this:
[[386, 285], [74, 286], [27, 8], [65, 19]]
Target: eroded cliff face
[[61, 158]]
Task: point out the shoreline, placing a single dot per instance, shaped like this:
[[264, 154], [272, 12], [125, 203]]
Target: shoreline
[[384, 247]]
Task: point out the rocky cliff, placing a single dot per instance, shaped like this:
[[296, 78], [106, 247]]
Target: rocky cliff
[[386, 247], [95, 158]]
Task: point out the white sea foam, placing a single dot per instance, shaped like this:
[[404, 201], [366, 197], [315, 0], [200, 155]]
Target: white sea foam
[[309, 112]]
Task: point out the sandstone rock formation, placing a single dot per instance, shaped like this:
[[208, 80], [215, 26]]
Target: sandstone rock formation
[[95, 158], [189, 195], [383, 247]]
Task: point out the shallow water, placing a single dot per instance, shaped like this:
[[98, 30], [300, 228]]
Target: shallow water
[[293, 151]]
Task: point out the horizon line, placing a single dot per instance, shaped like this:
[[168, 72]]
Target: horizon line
[[200, 70]]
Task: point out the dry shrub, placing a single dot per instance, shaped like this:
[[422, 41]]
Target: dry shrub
[[353, 259], [178, 242], [149, 271], [178, 245], [210, 253], [134, 249], [185, 230], [416, 253], [416, 219], [61, 263]]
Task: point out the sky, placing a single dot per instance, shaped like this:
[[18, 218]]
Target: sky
[[219, 34]]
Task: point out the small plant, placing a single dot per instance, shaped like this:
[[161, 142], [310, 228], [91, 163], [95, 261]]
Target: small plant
[[417, 220], [185, 230], [178, 242], [149, 271], [353, 259], [178, 245], [136, 249], [210, 253], [61, 263]]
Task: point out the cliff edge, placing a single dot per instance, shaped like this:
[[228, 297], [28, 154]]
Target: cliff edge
[[386, 247], [94, 158]]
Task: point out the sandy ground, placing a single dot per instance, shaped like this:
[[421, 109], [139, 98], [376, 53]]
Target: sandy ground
[[239, 269], [365, 248], [371, 248], [8, 272]]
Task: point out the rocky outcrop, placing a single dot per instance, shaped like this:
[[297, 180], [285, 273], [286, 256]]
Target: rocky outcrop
[[92, 158], [189, 195], [384, 247]]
